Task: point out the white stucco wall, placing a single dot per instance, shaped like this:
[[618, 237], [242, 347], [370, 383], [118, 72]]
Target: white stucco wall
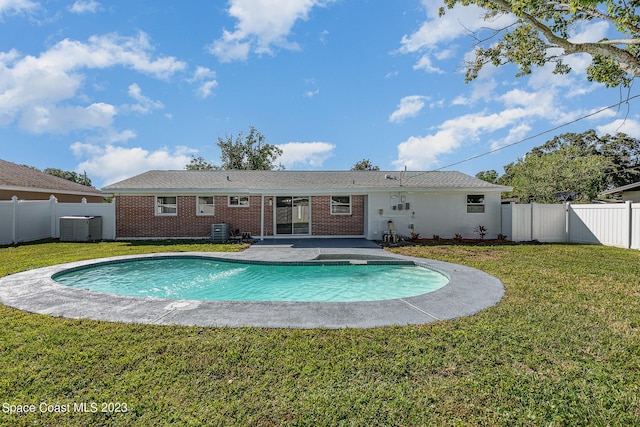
[[444, 214]]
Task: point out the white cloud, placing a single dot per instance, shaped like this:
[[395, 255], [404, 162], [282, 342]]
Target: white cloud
[[38, 86], [422, 152], [145, 105], [313, 88], [589, 32], [114, 163], [84, 6], [206, 81], [311, 93], [417, 153], [410, 106], [305, 154], [629, 126], [262, 25], [516, 133], [62, 119], [8, 7], [425, 63]]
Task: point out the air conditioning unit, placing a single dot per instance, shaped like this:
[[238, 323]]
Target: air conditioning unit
[[80, 228], [220, 232]]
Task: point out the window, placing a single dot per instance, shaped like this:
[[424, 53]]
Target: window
[[475, 203], [166, 205], [340, 205], [205, 205], [241, 201]]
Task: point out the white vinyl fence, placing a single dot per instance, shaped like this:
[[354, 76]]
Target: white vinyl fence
[[605, 224], [28, 220]]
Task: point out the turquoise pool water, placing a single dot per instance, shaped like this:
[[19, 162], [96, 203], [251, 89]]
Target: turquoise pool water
[[210, 279]]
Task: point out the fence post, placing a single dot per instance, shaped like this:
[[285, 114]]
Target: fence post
[[567, 219], [532, 228], [14, 220], [53, 216], [629, 219]]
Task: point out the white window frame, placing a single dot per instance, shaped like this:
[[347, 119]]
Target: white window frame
[[336, 204], [475, 207], [240, 203], [158, 206], [200, 206]]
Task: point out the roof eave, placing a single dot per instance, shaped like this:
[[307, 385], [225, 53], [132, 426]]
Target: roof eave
[[52, 191], [302, 190]]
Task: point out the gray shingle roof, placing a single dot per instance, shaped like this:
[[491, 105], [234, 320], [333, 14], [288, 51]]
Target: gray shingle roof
[[14, 176], [256, 181], [629, 187]]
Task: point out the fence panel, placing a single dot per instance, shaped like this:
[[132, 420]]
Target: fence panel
[[40, 219], [34, 220], [6, 223], [506, 217], [601, 224], [521, 223], [549, 223], [635, 226], [605, 224]]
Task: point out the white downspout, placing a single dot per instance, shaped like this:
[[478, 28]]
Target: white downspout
[[262, 218]]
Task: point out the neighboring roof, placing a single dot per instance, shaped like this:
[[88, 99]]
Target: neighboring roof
[[23, 178], [628, 187], [315, 181]]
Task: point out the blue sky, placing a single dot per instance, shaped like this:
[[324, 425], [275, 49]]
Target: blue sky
[[120, 87]]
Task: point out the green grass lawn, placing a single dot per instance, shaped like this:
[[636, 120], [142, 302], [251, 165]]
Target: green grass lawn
[[561, 348]]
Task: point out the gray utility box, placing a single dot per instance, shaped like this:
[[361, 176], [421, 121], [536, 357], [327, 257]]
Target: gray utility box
[[219, 232], [80, 228]]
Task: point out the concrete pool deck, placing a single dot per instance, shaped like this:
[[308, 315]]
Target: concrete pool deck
[[469, 290]]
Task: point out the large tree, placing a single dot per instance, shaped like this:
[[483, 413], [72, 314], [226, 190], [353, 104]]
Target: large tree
[[541, 35], [621, 151], [537, 178], [365, 165], [245, 152], [584, 163], [248, 152]]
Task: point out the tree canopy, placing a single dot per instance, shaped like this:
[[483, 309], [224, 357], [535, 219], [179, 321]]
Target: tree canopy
[[542, 34], [200, 164], [365, 165], [584, 163], [69, 176], [245, 152]]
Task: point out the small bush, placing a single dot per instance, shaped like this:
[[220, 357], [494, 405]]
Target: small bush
[[481, 231]]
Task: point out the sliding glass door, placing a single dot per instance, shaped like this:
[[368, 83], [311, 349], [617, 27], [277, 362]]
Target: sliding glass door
[[292, 215]]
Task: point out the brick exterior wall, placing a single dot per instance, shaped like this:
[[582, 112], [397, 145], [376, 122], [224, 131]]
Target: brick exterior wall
[[325, 224], [135, 217]]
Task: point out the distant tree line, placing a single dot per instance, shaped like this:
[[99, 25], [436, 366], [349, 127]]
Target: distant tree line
[[69, 176], [584, 163]]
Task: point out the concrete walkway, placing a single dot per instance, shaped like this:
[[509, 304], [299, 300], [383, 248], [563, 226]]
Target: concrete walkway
[[468, 291]]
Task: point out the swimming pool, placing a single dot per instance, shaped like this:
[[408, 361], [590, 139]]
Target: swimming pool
[[205, 278]]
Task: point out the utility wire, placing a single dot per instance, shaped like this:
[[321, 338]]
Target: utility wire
[[534, 136]]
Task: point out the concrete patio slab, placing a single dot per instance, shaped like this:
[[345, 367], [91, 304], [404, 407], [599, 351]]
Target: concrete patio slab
[[468, 291]]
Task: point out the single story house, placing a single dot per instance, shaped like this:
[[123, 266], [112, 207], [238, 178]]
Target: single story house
[[30, 184], [271, 204], [630, 192]]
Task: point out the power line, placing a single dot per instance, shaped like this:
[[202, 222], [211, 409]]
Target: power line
[[537, 135]]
